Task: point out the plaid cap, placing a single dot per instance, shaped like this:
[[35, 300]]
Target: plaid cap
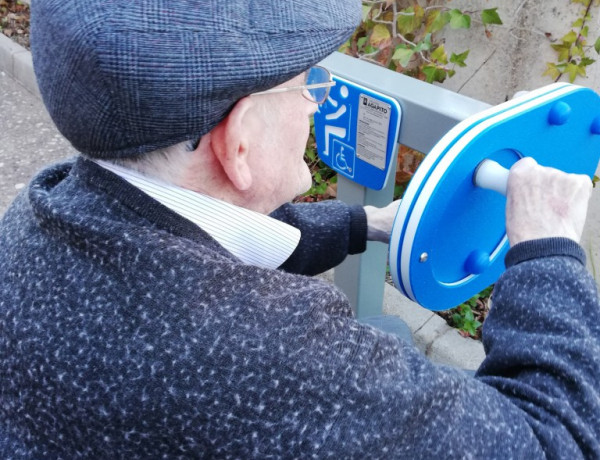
[[121, 78]]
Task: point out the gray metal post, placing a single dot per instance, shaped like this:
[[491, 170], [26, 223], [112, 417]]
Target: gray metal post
[[428, 112], [362, 276]]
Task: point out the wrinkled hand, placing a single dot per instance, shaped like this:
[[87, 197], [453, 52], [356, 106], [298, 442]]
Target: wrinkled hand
[[544, 202], [380, 221]]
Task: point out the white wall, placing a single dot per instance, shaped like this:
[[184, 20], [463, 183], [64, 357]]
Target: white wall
[[515, 57]]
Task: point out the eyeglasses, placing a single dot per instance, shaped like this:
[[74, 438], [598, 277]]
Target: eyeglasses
[[316, 85]]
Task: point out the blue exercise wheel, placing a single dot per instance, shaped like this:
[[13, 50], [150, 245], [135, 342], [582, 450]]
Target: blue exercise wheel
[[449, 238]]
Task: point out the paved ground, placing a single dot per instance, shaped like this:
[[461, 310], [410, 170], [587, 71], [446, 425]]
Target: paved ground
[[27, 141]]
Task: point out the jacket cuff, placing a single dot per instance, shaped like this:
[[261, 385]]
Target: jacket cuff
[[544, 247], [357, 242]]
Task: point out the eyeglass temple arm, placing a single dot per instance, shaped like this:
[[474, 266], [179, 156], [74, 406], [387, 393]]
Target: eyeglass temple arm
[[293, 88]]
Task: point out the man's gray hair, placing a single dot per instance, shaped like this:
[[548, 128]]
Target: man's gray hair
[[166, 164]]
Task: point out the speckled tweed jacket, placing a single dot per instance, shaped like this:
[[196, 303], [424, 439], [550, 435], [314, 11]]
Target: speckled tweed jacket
[[127, 332]]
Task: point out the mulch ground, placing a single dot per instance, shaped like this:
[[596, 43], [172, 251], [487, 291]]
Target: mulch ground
[[14, 21]]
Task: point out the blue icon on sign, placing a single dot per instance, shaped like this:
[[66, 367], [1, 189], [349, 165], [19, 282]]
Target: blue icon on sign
[[353, 112], [337, 120], [343, 158]]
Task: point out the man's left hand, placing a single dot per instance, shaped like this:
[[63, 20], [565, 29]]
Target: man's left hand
[[380, 221]]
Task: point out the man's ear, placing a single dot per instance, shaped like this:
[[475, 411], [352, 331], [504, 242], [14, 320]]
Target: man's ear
[[230, 144]]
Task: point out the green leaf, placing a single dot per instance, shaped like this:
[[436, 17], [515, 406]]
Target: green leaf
[[424, 45], [471, 327], [429, 72], [436, 20], [440, 75], [490, 16], [586, 61], [366, 9], [552, 71], [597, 45], [434, 73], [563, 51], [399, 190], [469, 315], [585, 31], [361, 42], [459, 59], [439, 55], [458, 20], [403, 55], [574, 70], [410, 19], [570, 38], [379, 35], [577, 50], [321, 188]]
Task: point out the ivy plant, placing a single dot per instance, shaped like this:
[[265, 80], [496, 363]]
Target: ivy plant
[[402, 36], [466, 316], [572, 50]]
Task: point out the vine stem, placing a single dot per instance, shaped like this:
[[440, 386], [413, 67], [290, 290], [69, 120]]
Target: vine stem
[[583, 21]]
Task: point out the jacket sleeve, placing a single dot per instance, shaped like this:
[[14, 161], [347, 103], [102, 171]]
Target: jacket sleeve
[[542, 341], [330, 231], [535, 396]]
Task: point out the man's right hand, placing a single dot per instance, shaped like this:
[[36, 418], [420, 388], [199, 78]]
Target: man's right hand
[[544, 202]]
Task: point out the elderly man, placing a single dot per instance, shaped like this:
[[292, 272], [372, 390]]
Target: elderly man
[[142, 310]]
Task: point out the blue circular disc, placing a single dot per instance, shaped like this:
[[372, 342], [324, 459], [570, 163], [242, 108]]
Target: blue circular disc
[[449, 238]]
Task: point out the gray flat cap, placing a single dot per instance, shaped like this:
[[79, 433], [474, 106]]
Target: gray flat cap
[[121, 78]]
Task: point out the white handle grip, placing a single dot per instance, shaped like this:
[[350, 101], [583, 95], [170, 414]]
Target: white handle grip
[[492, 176]]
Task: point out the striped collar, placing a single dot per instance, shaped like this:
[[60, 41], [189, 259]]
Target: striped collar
[[254, 238]]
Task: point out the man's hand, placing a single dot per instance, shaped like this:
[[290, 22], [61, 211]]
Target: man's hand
[[380, 221], [544, 202]]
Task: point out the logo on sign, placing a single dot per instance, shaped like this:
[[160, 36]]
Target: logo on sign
[[375, 106]]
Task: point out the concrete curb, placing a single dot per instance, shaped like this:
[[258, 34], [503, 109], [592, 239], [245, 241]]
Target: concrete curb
[[438, 341], [16, 61]]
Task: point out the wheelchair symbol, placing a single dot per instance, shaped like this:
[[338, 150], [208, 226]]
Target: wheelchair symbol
[[344, 158]]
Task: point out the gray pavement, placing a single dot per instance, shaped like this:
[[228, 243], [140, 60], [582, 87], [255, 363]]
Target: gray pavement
[[29, 140]]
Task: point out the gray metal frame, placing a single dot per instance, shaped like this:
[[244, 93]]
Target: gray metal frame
[[428, 112]]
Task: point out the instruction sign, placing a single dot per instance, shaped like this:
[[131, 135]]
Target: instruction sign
[[372, 131], [356, 131]]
